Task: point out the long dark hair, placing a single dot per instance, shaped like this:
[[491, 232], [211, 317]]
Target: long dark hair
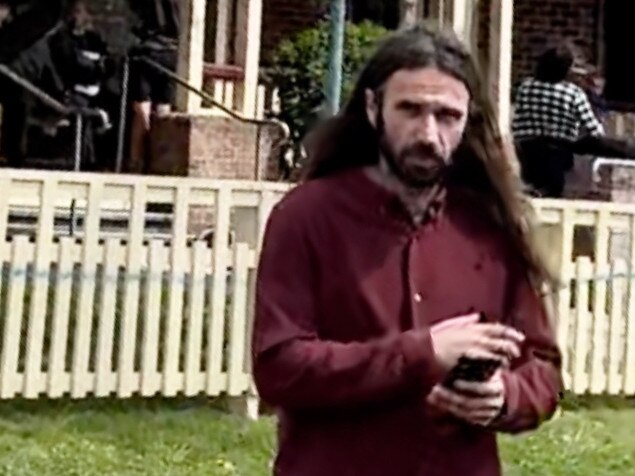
[[484, 162], [555, 63]]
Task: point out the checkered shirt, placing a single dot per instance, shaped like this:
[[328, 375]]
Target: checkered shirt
[[555, 110]]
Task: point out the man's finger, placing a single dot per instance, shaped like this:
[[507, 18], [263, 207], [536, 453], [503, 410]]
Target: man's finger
[[451, 399], [500, 331], [500, 346], [482, 418], [483, 389], [463, 405]]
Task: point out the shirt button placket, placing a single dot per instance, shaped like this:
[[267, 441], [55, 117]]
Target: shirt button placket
[[413, 281]]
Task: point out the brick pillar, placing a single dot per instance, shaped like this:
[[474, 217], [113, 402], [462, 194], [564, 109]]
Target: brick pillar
[[212, 147]]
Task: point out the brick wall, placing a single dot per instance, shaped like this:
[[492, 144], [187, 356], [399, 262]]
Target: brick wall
[[538, 23], [210, 146]]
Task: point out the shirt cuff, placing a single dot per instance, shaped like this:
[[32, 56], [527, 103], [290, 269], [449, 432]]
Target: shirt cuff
[[420, 358]]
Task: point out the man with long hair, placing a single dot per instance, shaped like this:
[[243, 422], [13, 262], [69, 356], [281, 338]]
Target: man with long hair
[[401, 267]]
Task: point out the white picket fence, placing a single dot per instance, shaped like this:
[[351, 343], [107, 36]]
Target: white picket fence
[[593, 246], [134, 303], [104, 313]]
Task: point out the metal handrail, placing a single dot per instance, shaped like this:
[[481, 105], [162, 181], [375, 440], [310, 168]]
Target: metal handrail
[[209, 98], [34, 90], [44, 97], [78, 112], [282, 126]]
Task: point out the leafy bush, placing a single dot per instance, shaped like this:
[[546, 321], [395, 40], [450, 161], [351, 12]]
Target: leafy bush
[[300, 68]]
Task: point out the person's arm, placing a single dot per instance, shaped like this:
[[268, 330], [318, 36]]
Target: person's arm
[[587, 117], [294, 367], [533, 385]]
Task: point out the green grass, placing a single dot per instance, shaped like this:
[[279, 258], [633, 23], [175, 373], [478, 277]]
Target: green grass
[[194, 438]]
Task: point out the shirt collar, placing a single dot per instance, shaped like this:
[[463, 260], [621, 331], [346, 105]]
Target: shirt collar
[[375, 196]]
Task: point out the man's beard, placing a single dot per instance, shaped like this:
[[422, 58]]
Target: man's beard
[[426, 176]]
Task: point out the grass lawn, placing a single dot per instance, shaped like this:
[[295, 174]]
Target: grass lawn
[[191, 438]]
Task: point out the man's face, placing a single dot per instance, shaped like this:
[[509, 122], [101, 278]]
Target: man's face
[[5, 13], [81, 17], [420, 121]]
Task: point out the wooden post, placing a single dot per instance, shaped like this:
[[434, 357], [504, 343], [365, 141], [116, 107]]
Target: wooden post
[[248, 30], [191, 53], [500, 62]]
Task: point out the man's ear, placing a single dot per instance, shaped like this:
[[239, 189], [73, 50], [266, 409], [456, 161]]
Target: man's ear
[[372, 107]]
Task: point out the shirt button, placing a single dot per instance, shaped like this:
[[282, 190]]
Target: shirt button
[[418, 298]]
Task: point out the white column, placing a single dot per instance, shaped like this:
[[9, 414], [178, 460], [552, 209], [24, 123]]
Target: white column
[[191, 53], [411, 12], [500, 59], [248, 30], [458, 18], [438, 11], [222, 31]]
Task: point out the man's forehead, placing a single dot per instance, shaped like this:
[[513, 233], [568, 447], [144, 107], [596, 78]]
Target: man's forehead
[[422, 82]]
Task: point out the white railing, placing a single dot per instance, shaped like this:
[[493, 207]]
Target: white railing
[[142, 299]]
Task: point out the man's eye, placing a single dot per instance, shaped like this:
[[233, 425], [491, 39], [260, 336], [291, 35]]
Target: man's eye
[[448, 116], [410, 108]]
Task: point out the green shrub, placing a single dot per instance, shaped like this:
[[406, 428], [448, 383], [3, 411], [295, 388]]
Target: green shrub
[[300, 67]]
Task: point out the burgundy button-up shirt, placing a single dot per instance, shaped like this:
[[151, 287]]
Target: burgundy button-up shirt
[[347, 291]]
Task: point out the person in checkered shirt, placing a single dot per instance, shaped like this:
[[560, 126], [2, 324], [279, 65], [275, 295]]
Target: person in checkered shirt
[[550, 115]]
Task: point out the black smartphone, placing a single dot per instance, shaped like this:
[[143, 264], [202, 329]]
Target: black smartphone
[[473, 370]]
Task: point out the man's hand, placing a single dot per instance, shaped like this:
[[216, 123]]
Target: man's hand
[[478, 403], [475, 340]]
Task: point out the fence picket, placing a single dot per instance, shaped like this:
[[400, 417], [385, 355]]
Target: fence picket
[[150, 377], [10, 380], [193, 376], [126, 383], [582, 276], [238, 323], [104, 377], [172, 380], [33, 383], [5, 186], [215, 381], [629, 361], [58, 378], [80, 381], [598, 376], [618, 285], [564, 295]]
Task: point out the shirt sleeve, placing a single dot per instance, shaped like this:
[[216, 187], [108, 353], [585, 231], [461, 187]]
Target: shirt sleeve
[[533, 385], [293, 367], [589, 122]]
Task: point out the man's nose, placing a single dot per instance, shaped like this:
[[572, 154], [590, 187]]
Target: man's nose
[[428, 129]]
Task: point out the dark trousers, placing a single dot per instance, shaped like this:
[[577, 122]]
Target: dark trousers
[[544, 164]]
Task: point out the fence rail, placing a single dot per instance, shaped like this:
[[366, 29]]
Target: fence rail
[[164, 313]]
